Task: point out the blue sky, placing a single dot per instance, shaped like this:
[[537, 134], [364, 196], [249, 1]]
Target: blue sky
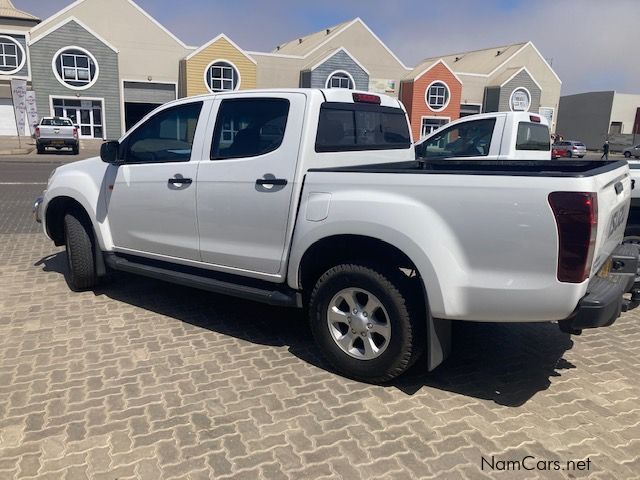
[[591, 43]]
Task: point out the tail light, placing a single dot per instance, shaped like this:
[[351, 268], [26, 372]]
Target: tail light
[[37, 132], [366, 98], [75, 132], [574, 147], [576, 215]]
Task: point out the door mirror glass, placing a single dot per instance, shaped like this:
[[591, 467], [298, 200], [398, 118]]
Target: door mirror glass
[[109, 152]]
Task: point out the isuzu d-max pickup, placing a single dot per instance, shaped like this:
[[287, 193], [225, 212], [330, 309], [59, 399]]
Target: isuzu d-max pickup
[[315, 199]]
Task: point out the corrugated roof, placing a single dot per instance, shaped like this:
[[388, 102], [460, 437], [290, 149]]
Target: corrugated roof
[[303, 45], [7, 10], [478, 61]]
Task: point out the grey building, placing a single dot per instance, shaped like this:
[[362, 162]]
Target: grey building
[[335, 68], [595, 117], [75, 75]]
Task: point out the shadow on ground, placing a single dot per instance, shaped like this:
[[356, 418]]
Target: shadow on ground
[[505, 363]]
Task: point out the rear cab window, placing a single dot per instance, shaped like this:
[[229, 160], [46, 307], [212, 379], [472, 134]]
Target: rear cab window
[[56, 122], [358, 127], [533, 136], [467, 139]]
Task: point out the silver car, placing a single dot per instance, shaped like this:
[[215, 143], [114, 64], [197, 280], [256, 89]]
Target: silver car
[[632, 152]]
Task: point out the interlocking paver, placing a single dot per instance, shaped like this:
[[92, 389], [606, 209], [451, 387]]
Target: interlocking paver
[[143, 379]]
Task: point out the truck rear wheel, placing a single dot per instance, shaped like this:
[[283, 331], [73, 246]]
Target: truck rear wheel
[[368, 324], [80, 252]]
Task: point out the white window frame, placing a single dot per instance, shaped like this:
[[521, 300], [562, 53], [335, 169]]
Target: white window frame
[[344, 73], [511, 99], [430, 117], [6, 40], [62, 80], [427, 96], [234, 69]]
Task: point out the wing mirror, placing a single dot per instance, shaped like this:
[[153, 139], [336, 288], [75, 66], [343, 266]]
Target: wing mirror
[[109, 152]]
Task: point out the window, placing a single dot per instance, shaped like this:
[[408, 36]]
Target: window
[[222, 76], [437, 96], [353, 127], [12, 57], [165, 137], [75, 67], [471, 139], [533, 136], [520, 100], [431, 124], [467, 109], [249, 127], [56, 122], [616, 127], [340, 79]]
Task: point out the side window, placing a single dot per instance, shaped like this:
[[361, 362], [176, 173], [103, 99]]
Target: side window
[[470, 139], [248, 127], [533, 136], [165, 137]]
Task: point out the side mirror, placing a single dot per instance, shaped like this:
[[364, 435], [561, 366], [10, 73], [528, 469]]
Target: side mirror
[[109, 152]]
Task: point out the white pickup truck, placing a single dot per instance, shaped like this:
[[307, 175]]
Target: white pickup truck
[[58, 133], [490, 136], [314, 198]]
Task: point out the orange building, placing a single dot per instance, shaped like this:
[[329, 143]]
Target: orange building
[[431, 93]]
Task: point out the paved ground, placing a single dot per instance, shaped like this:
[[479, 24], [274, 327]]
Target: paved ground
[[142, 379]]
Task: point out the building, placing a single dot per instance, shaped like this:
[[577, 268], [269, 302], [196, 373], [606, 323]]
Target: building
[[512, 77], [14, 60], [120, 64], [596, 117]]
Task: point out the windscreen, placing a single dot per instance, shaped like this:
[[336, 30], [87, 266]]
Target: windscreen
[[56, 122], [356, 127], [533, 136]]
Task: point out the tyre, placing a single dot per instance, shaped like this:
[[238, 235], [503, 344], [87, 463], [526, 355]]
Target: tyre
[[40, 149], [569, 154], [80, 252], [76, 150], [627, 154], [580, 156], [368, 324]]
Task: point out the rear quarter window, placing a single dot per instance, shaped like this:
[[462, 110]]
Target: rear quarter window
[[533, 136], [358, 127]]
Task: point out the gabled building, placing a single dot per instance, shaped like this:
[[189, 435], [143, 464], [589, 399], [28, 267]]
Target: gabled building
[[148, 60], [219, 65], [431, 93], [512, 77], [14, 60]]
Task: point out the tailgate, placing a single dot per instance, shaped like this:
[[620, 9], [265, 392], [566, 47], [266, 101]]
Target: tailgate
[[614, 200], [56, 132]]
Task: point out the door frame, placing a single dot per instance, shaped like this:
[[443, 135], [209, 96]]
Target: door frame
[[80, 98]]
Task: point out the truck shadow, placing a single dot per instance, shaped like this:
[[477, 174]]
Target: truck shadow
[[506, 364]]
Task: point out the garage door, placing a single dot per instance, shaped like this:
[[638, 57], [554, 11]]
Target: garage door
[[140, 92], [7, 117]]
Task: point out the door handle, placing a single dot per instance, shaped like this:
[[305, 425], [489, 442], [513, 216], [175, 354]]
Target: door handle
[[180, 181], [271, 181]]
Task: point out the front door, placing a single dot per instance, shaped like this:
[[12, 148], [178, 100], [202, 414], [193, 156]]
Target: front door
[[245, 187], [87, 114], [152, 203]]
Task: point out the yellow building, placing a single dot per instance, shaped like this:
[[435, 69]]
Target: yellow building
[[218, 66]]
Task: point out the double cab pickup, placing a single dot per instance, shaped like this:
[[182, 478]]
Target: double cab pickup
[[316, 199]]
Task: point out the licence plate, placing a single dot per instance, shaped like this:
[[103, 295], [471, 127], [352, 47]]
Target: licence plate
[[57, 142]]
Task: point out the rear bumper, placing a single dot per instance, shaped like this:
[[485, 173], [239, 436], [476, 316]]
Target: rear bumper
[[604, 301], [57, 142]]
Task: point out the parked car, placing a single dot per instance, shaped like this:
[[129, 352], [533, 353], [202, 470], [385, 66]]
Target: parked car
[[570, 148], [314, 198], [58, 133], [632, 152], [490, 136], [555, 153]]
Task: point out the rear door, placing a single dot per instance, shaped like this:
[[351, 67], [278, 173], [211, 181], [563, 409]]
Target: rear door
[[245, 186]]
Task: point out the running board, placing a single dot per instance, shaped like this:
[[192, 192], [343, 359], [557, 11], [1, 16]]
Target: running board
[[289, 298]]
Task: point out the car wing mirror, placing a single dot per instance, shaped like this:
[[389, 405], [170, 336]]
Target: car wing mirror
[[109, 152]]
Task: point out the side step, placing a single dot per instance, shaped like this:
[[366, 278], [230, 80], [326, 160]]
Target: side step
[[162, 271]]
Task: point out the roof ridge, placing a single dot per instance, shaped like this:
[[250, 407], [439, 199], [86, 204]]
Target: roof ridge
[[473, 51], [303, 37], [8, 10]]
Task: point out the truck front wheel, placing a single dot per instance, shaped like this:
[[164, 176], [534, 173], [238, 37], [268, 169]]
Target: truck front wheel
[[80, 252], [368, 324]]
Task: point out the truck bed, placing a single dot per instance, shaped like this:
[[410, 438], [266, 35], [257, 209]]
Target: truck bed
[[520, 168]]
